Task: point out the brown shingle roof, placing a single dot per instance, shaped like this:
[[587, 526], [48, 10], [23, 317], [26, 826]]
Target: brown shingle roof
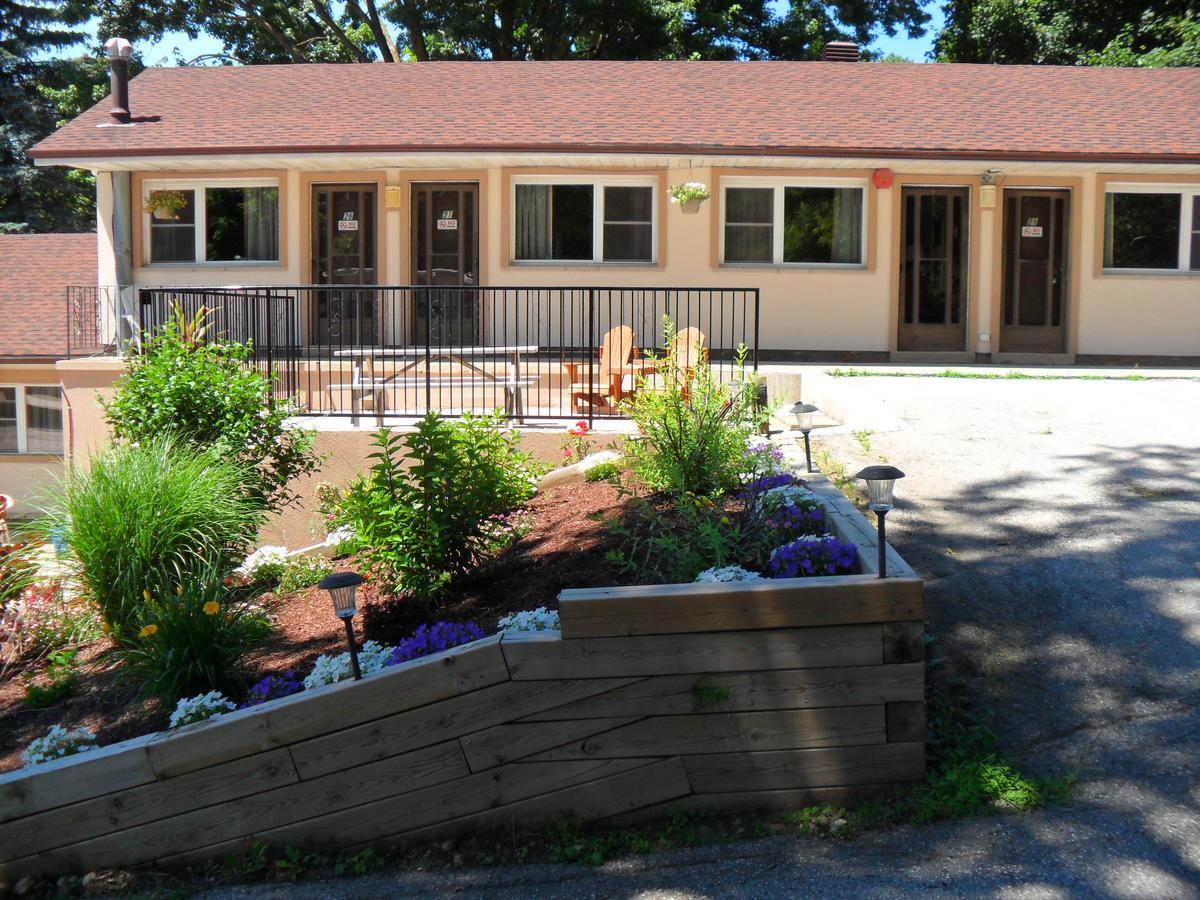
[[35, 270], [809, 108]]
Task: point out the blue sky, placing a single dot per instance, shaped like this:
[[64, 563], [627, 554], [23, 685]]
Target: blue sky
[[178, 46]]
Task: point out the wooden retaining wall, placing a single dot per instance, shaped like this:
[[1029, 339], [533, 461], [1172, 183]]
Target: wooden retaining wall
[[773, 694]]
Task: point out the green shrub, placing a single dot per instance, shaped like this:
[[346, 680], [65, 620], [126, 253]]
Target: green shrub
[[427, 510], [192, 632], [602, 472], [146, 515], [60, 678], [204, 393], [300, 572], [692, 428]]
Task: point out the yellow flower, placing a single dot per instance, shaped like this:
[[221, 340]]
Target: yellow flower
[[106, 628], [211, 608], [179, 590], [148, 631], [146, 596]]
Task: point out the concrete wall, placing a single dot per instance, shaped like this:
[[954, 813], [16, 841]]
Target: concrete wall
[[804, 309]]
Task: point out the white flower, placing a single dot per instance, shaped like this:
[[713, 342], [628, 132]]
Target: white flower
[[540, 619], [57, 743], [330, 669], [599, 458], [263, 556], [721, 574], [203, 706], [339, 536], [785, 495]]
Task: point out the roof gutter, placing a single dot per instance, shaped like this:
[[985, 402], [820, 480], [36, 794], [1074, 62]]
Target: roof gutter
[[47, 156]]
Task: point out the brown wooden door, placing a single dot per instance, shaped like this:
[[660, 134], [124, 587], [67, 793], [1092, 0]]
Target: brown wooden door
[[1036, 227], [344, 257], [933, 268], [446, 264]]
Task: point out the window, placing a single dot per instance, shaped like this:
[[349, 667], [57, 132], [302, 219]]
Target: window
[[790, 223], [31, 419], [557, 221], [1152, 228], [228, 223]]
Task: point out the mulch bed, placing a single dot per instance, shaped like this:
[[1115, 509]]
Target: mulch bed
[[565, 548]]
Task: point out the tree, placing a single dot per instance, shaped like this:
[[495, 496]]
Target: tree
[[1070, 32], [264, 31], [36, 95]]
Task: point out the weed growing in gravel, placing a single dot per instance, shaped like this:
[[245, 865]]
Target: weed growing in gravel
[[864, 439]]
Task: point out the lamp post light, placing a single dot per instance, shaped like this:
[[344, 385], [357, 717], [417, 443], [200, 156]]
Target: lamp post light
[[881, 483], [342, 587], [804, 421]]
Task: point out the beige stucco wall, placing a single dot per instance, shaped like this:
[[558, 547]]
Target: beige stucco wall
[[27, 477], [802, 308]]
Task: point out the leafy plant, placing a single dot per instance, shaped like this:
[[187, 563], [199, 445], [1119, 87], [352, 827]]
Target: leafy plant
[[689, 190], [358, 864], [61, 678], [201, 388], [200, 708], [425, 512], [192, 634], [302, 572], [576, 445], [602, 472], [692, 429], [146, 517]]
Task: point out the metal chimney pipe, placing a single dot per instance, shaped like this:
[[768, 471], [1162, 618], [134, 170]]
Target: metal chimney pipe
[[119, 53]]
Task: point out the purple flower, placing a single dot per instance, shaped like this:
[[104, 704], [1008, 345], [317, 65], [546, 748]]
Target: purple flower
[[823, 555], [760, 485], [433, 639], [272, 688]]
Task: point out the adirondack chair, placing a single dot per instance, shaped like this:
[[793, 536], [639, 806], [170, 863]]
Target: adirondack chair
[[606, 383], [688, 350]]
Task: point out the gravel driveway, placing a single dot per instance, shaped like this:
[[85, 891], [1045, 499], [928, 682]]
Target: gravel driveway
[[1058, 524]]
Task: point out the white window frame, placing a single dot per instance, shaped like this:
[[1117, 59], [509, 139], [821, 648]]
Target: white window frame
[[1189, 195], [777, 185], [22, 436], [198, 186], [597, 183]]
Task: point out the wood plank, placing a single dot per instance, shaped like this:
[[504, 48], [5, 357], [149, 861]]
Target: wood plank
[[147, 803], [34, 789], [904, 642], [395, 689], [739, 606], [732, 733], [437, 722], [906, 721], [510, 742], [669, 695], [466, 796], [800, 648], [790, 769], [656, 784], [297, 802]]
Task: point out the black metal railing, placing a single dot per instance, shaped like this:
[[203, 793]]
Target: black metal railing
[[95, 325], [398, 351]]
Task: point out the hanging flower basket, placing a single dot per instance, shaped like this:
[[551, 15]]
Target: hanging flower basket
[[689, 195], [164, 205]]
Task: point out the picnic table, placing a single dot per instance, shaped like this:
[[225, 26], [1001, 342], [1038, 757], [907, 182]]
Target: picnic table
[[512, 380]]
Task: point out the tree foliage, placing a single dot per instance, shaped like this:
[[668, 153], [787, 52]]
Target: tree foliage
[[1071, 32], [396, 30], [37, 94]]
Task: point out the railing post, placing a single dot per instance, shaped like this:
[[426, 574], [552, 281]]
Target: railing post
[[267, 336], [428, 349], [591, 355], [755, 350]]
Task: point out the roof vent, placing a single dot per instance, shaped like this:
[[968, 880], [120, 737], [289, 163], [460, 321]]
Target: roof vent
[[840, 51], [119, 52]]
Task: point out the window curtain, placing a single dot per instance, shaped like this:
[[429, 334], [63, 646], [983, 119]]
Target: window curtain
[[261, 218], [533, 221], [847, 225]]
